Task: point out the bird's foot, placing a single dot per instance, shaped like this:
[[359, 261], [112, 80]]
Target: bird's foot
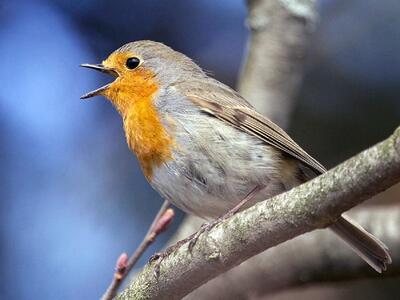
[[160, 256], [157, 257], [206, 227]]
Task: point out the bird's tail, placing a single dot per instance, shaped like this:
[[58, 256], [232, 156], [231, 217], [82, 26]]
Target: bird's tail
[[367, 246]]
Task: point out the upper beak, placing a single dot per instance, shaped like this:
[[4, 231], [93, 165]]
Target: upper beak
[[103, 69]]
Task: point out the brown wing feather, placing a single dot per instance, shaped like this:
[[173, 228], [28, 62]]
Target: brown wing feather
[[227, 105]]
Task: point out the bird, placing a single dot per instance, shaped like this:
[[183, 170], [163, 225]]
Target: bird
[[202, 146]]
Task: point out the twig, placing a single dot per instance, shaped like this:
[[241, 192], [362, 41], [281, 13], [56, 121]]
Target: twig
[[315, 204], [123, 265]]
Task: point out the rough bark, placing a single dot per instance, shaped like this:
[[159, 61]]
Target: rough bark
[[307, 259]]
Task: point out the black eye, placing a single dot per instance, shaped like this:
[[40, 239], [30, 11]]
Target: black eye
[[132, 62]]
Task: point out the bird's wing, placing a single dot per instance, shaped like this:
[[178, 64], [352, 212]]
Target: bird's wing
[[227, 105]]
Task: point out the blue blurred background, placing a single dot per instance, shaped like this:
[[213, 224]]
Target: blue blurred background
[[72, 195]]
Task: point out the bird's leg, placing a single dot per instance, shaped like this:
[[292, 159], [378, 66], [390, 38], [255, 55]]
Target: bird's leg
[[208, 226], [192, 239]]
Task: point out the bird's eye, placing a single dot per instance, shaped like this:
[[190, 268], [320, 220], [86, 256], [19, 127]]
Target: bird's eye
[[132, 62]]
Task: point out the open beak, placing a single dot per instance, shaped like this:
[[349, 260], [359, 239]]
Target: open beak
[[103, 69]]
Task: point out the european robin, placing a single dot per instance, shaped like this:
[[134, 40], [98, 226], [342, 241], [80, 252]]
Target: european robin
[[202, 146]]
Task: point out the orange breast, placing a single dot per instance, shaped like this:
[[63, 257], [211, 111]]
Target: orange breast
[[147, 137], [133, 96]]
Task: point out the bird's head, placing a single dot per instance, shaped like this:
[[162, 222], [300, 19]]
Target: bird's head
[[141, 69]]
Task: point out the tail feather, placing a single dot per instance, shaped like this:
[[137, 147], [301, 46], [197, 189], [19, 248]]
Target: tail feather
[[367, 246]]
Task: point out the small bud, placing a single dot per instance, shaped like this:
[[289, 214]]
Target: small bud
[[164, 221], [120, 266]]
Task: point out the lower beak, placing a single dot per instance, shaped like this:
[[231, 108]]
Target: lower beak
[[103, 69]]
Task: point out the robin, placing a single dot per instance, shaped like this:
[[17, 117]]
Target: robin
[[202, 146]]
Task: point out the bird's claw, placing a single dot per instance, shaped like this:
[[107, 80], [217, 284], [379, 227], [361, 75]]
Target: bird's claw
[[206, 227], [157, 258]]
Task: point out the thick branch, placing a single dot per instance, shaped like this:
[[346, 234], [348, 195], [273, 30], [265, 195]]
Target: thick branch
[[280, 31], [315, 204], [307, 259]]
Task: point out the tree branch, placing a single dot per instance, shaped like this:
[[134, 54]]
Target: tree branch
[[315, 204], [280, 31], [307, 259]]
